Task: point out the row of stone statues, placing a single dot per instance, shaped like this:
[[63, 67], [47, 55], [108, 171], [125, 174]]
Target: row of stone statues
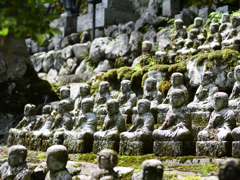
[[196, 39], [57, 157]]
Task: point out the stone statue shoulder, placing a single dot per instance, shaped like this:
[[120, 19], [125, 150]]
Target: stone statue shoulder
[[60, 175], [120, 122], [148, 121], [91, 121], [229, 117], [3, 169]]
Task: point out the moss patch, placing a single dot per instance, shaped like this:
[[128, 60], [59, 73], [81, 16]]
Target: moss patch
[[164, 86], [125, 72], [88, 157]]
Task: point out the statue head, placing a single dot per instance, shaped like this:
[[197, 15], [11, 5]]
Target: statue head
[[178, 24], [125, 86], [146, 46], [198, 22], [177, 98], [220, 101], [143, 106], [214, 28], [152, 169], [17, 155], [207, 78], [177, 79], [29, 110], [57, 157], [63, 106], [84, 90], [112, 106], [235, 21], [103, 87], [47, 109], [64, 93], [229, 170], [225, 18], [107, 159], [237, 73], [192, 34], [150, 84], [87, 105]]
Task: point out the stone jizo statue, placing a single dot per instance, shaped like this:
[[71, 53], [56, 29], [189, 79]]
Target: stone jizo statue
[[229, 170], [221, 122], [57, 157], [226, 26], [143, 124], [204, 95], [16, 167], [146, 47], [107, 159], [177, 125], [180, 32], [234, 98], [65, 94]]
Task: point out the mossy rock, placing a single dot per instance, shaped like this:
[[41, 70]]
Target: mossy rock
[[125, 72], [137, 76]]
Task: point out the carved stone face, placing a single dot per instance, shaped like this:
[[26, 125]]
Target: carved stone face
[[64, 93], [87, 105], [47, 109], [125, 86], [178, 24], [220, 101], [206, 78], [107, 159], [103, 87], [225, 18], [17, 155], [143, 106], [192, 34], [177, 79], [214, 28], [63, 106], [198, 22], [235, 21], [112, 106], [177, 98], [29, 110], [84, 90]]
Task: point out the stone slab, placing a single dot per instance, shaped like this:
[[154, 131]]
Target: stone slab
[[200, 117], [214, 148], [104, 17], [99, 145], [170, 7], [235, 149]]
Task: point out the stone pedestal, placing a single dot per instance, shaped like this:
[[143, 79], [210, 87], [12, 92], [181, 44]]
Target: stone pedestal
[[235, 149], [170, 7], [200, 117], [135, 148], [173, 148], [214, 148], [99, 145]]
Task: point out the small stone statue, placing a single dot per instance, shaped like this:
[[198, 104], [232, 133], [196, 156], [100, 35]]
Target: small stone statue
[[229, 170], [127, 98], [221, 122], [232, 41], [234, 98], [226, 26], [152, 169], [143, 124], [65, 94], [177, 125], [198, 23], [204, 95], [146, 47], [57, 157], [16, 167], [180, 32], [213, 41], [102, 96], [107, 159], [72, 7]]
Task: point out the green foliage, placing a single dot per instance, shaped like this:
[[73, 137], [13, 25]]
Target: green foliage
[[236, 13], [88, 157], [214, 17], [164, 86], [190, 27], [26, 18], [205, 169]]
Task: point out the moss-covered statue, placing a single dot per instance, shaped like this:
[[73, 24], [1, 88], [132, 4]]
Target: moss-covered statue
[[85, 127], [204, 95], [102, 96], [127, 99], [234, 98], [84, 92], [177, 125], [17, 135], [180, 32], [107, 159], [221, 122], [16, 167], [151, 169], [232, 41], [114, 124], [57, 157], [226, 26], [213, 41]]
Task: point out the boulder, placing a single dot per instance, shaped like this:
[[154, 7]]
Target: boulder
[[65, 42], [83, 70], [81, 50], [163, 37], [52, 76], [67, 52], [109, 30], [48, 61], [37, 60], [150, 36], [58, 60], [118, 47], [104, 66], [97, 49], [135, 42], [68, 67], [128, 27]]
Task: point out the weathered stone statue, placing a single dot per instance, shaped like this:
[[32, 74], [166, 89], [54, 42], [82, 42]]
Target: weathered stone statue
[[180, 32], [151, 169], [234, 98], [226, 26], [221, 122], [57, 157], [204, 95], [177, 125], [229, 170], [16, 167], [141, 130], [65, 94], [17, 135], [213, 41], [191, 43], [127, 99], [114, 124], [232, 41], [72, 7], [102, 96], [146, 47], [198, 23], [80, 139], [107, 159]]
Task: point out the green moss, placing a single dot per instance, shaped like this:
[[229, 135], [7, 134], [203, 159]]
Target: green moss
[[41, 155], [143, 79], [94, 87], [164, 86], [179, 67], [125, 72], [164, 68], [190, 27], [88, 157], [137, 76], [111, 75]]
